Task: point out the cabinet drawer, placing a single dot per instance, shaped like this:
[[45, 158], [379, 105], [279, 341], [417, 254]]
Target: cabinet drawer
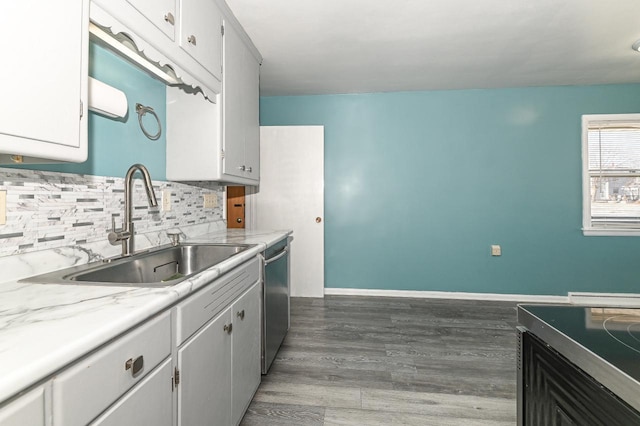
[[91, 385], [194, 312]]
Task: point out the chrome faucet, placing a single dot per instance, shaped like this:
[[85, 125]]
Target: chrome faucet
[[126, 233]]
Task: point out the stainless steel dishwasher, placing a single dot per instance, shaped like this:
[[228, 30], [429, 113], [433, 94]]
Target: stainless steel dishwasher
[[275, 310]]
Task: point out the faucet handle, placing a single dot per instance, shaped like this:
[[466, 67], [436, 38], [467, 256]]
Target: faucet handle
[[116, 235]]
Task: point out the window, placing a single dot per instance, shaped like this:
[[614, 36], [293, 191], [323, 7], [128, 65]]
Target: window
[[611, 174]]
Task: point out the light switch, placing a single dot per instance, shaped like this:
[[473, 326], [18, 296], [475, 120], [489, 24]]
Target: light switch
[[166, 200], [496, 250]]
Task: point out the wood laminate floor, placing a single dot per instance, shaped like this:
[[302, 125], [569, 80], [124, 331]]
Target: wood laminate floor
[[387, 361]]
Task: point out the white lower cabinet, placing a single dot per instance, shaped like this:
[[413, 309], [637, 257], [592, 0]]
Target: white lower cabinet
[[245, 351], [220, 365], [201, 356], [28, 410], [148, 403], [204, 362], [90, 386]]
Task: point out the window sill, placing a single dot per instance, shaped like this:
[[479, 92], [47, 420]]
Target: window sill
[[610, 232]]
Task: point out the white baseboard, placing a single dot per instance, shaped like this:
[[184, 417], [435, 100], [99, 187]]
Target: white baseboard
[[605, 299], [525, 298]]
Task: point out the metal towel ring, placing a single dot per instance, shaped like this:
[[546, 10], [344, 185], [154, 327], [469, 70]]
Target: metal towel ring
[[142, 110]]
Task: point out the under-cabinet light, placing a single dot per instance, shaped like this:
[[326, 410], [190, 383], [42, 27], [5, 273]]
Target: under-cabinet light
[[123, 45]]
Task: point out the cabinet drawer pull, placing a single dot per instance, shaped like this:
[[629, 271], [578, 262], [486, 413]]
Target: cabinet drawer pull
[[242, 168], [168, 17], [228, 328], [192, 39], [135, 365], [241, 314], [249, 169]]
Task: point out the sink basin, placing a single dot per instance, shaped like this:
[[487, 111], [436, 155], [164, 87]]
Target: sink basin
[[158, 268]]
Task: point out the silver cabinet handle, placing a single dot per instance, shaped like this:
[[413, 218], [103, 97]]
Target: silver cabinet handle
[[249, 169], [192, 39], [242, 168], [241, 314], [228, 328], [168, 17], [135, 365]]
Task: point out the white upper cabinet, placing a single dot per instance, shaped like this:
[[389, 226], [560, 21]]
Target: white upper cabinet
[[213, 139], [201, 33], [241, 128], [161, 13], [219, 142], [45, 49], [184, 34]]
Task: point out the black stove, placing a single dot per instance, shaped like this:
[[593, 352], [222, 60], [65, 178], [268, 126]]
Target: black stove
[[612, 334]]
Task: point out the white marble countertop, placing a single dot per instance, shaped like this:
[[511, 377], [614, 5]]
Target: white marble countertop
[[45, 327]]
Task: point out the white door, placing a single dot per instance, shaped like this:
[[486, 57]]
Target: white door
[[291, 196]]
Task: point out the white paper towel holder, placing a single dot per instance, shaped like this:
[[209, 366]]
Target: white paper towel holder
[[107, 100]]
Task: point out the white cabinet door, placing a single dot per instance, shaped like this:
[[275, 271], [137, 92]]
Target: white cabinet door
[[201, 33], [148, 403], [240, 113], [232, 94], [162, 13], [251, 119], [193, 137], [28, 410], [245, 350], [43, 105], [204, 362]]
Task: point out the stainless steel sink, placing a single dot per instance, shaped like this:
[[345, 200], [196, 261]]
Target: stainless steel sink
[[158, 268]]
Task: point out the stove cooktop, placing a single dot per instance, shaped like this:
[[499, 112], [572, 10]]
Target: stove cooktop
[[612, 334]]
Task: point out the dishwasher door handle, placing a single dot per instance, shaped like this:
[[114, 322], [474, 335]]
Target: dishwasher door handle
[[276, 257]]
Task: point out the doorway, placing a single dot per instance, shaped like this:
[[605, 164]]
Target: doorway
[[291, 196]]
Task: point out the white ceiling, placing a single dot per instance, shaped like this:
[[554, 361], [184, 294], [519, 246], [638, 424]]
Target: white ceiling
[[355, 46]]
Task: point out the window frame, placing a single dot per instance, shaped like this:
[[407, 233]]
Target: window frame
[[587, 227]]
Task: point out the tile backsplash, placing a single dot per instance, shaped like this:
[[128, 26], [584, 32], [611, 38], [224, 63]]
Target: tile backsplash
[[48, 210]]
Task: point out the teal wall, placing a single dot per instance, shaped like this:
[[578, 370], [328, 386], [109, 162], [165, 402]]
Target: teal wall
[[116, 144], [418, 185]]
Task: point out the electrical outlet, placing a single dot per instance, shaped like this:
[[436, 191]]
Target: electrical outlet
[[166, 200], [496, 250], [210, 201], [3, 207]]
